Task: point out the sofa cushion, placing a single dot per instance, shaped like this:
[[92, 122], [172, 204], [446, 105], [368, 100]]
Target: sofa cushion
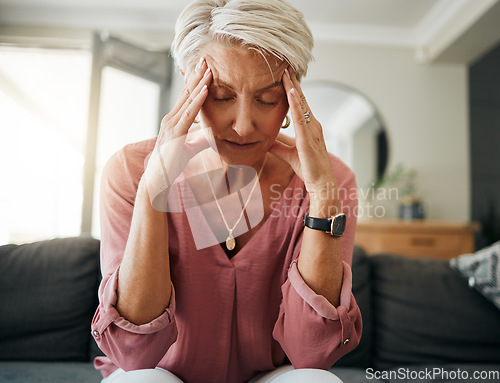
[[424, 312], [48, 291], [482, 270], [361, 289], [49, 372]]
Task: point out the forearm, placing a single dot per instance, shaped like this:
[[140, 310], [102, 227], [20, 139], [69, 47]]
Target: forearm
[[144, 283], [320, 259]]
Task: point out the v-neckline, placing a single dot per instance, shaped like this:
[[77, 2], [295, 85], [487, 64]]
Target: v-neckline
[[220, 250]]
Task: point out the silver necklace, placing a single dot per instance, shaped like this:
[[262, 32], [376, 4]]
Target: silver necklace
[[231, 241]]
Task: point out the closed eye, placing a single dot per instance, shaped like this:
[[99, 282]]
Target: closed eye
[[225, 99], [274, 103]]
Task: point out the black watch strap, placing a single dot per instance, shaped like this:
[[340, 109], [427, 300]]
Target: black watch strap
[[334, 226], [318, 223]]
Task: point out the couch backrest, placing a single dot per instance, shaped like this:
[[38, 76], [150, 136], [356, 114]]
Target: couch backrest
[[362, 291], [48, 295], [415, 311]]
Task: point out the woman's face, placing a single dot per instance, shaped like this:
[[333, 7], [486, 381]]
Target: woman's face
[[246, 102]]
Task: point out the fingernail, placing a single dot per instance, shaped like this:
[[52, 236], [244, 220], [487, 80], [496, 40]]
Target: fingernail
[[288, 74], [204, 88], [200, 63], [207, 72]]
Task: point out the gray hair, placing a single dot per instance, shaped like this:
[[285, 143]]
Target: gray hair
[[269, 26]]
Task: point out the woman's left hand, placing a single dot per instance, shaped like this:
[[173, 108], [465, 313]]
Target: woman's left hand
[[309, 157], [320, 259]]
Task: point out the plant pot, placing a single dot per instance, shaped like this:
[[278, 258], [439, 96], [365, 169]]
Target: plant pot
[[413, 210]]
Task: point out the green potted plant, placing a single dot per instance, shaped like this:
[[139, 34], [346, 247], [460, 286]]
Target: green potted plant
[[410, 206]]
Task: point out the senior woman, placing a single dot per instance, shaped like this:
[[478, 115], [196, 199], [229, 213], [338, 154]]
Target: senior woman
[[226, 247]]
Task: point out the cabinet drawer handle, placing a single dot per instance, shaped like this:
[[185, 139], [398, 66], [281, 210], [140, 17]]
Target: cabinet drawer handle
[[423, 241]]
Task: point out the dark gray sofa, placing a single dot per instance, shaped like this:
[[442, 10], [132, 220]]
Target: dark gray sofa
[[422, 322], [48, 295]]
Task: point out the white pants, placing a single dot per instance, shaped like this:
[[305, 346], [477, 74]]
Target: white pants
[[283, 374]]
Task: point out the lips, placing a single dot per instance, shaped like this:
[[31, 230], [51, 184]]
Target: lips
[[242, 145]]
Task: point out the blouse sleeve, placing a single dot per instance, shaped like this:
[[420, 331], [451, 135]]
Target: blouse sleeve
[[312, 332], [118, 338]]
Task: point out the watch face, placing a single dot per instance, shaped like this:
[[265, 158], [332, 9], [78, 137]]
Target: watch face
[[338, 225]]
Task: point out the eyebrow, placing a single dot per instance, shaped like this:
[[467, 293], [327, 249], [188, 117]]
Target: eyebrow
[[225, 84]]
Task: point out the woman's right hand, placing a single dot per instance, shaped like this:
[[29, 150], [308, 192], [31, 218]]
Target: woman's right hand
[[176, 143]]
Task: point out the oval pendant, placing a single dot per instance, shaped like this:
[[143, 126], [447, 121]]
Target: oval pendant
[[230, 243]]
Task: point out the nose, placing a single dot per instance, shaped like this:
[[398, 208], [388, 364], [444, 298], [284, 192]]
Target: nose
[[244, 123]]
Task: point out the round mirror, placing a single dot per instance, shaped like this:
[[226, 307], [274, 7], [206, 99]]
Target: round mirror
[[352, 127]]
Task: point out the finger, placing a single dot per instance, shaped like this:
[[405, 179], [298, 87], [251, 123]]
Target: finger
[[283, 151], [290, 141], [197, 143], [296, 84], [299, 121], [197, 75], [287, 81], [186, 92], [297, 108], [204, 82], [170, 122], [188, 115]]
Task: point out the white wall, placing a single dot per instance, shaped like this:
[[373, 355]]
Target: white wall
[[425, 108]]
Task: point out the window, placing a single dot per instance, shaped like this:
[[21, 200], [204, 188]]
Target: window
[[43, 121], [127, 113], [55, 139]]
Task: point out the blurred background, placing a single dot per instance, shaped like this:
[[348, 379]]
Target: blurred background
[[408, 86]]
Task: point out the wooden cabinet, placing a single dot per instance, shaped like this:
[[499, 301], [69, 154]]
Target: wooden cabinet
[[422, 238]]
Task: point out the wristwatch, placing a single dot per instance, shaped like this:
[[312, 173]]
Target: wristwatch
[[335, 226]]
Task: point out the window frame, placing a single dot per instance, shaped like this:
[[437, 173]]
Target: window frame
[[106, 50], [154, 66]]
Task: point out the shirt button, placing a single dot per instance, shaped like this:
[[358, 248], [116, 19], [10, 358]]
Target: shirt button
[[96, 334], [346, 340]]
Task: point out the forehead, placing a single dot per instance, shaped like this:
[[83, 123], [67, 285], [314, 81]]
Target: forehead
[[241, 66]]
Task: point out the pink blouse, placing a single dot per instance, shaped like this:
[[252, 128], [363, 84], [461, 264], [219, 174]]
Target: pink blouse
[[228, 319]]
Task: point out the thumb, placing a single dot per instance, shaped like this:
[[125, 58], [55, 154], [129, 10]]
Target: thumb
[[283, 151], [197, 144]]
